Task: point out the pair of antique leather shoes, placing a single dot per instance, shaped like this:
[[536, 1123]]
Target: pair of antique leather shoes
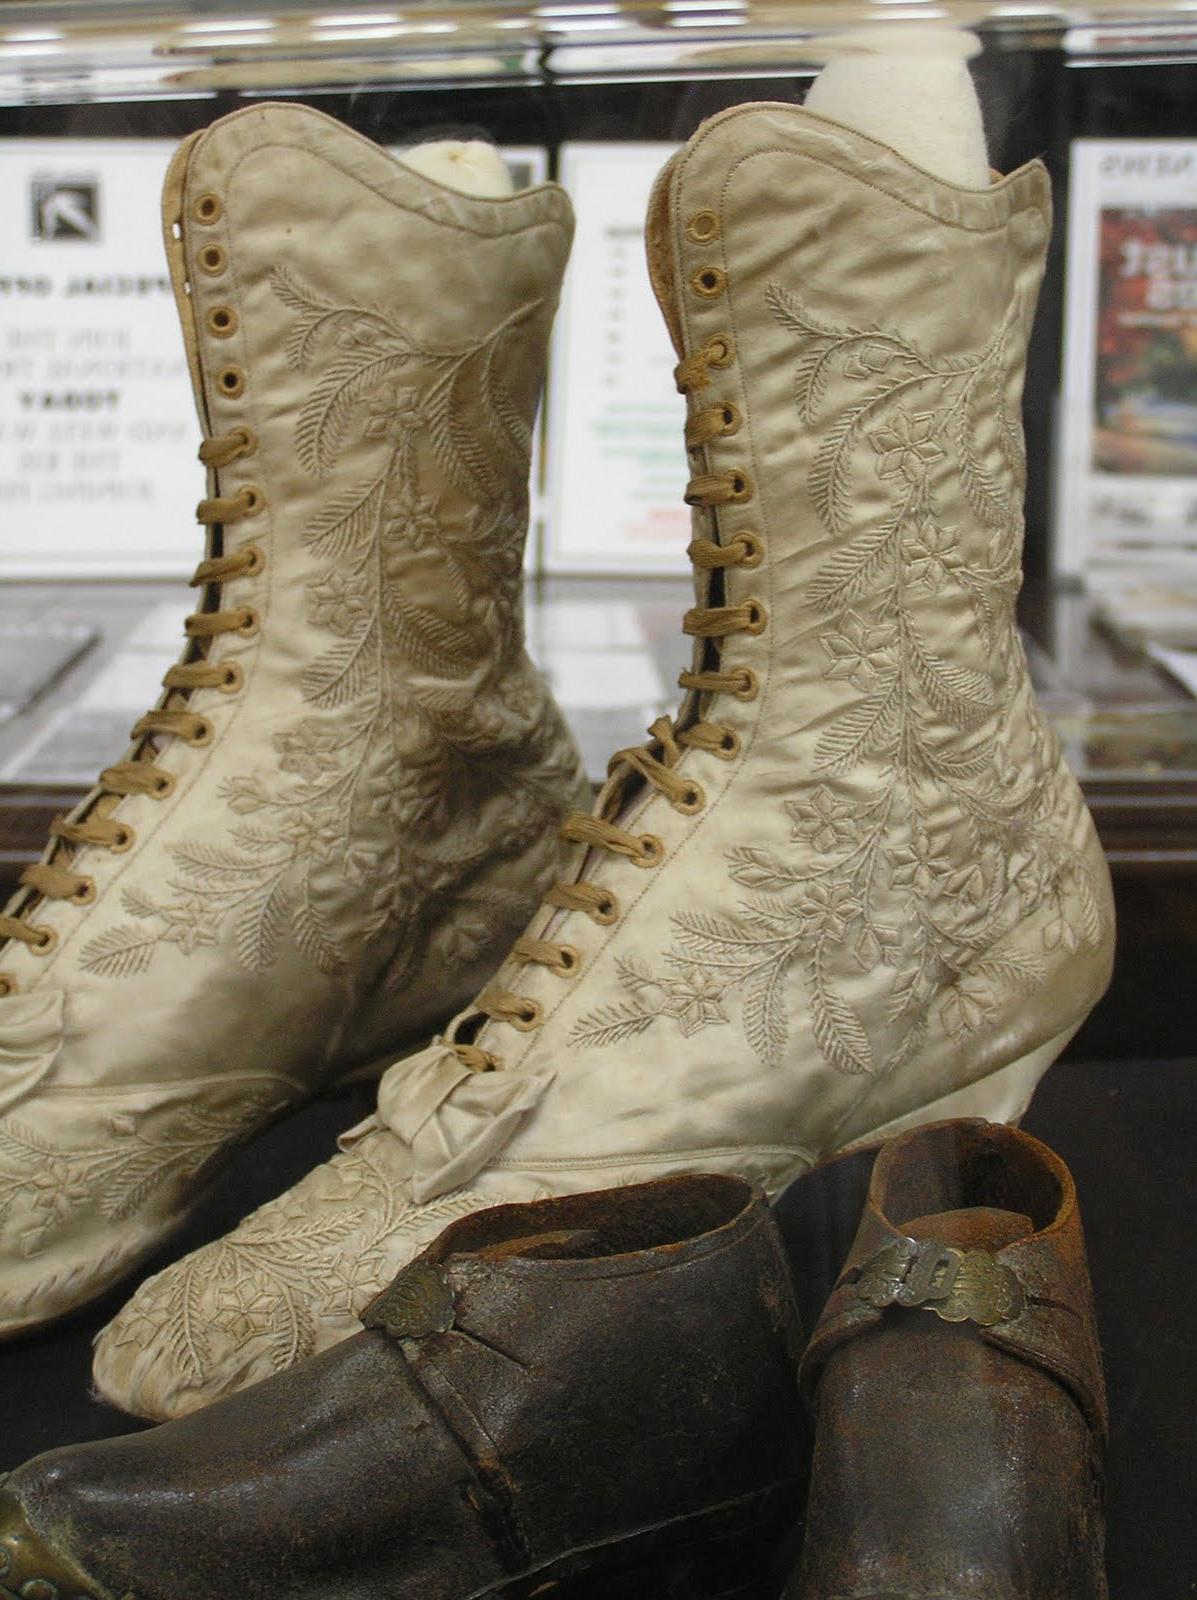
[[600, 1396]]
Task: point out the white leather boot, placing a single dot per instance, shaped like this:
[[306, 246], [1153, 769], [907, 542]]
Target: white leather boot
[[853, 886], [345, 803]]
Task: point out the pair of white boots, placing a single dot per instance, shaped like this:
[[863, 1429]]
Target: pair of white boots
[[850, 887]]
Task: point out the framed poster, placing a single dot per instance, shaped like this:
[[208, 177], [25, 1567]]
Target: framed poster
[[98, 432], [1126, 488], [616, 460]]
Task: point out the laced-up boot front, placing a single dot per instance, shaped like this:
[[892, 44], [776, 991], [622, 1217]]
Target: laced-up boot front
[[852, 886], [344, 805]]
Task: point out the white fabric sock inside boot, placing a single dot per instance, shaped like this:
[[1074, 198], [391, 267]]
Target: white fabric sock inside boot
[[910, 88], [469, 165]]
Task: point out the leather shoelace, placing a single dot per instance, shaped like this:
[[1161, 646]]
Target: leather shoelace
[[140, 775], [656, 762]]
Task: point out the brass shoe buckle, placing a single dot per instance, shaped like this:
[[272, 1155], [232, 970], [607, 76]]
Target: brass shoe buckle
[[957, 1285], [418, 1303]]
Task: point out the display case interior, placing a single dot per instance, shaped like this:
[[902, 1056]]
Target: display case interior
[[98, 483]]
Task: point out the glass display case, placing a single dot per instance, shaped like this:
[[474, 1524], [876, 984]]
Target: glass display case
[[805, 489]]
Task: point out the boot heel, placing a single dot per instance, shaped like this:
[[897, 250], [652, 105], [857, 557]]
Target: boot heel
[[1000, 1096], [736, 1552]]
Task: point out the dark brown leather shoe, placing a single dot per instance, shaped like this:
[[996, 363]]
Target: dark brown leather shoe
[[592, 1396], [956, 1377]]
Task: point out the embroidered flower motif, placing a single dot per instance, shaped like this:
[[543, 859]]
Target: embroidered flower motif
[[922, 865], [189, 924], [824, 820], [411, 516], [51, 1191], [860, 651], [907, 445], [393, 413], [338, 602], [312, 833], [931, 554], [348, 1283], [357, 333], [826, 909], [967, 1004], [868, 359], [245, 1310], [693, 999], [307, 750]]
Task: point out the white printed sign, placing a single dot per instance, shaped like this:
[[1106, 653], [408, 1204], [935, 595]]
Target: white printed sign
[[617, 465], [98, 434], [1126, 488]]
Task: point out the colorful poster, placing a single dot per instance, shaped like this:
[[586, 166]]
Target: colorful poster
[[1127, 480], [617, 464]]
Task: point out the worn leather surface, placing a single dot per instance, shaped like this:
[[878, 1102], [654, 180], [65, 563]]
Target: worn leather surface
[[615, 1362], [957, 1461], [891, 892], [374, 815]]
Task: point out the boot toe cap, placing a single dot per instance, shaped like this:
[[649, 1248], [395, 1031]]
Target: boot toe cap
[[36, 1565]]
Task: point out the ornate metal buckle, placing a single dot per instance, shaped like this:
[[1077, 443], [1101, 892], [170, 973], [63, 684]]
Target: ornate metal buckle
[[418, 1303], [958, 1285]]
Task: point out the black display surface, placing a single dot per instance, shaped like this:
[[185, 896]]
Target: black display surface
[[1124, 1128]]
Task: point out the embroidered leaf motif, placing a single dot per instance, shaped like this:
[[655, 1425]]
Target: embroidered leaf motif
[[765, 1021], [373, 790], [342, 674], [855, 570], [609, 1025], [839, 1032], [345, 524], [119, 952], [760, 869], [138, 904]]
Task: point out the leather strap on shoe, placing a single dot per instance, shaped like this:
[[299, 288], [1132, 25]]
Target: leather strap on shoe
[[1030, 1298]]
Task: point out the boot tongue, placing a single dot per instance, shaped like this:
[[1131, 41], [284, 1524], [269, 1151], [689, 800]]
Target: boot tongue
[[978, 1228]]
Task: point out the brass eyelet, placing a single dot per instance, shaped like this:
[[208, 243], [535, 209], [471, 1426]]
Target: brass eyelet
[[709, 282], [234, 678], [257, 560], [252, 498], [47, 939], [165, 786], [8, 984], [207, 208], [231, 382], [249, 439], [250, 622], [758, 617], [749, 684], [652, 851], [122, 839], [222, 322], [85, 893], [691, 800], [741, 488], [729, 745], [731, 419], [202, 734], [607, 911], [213, 260], [703, 227], [531, 1017], [571, 960], [753, 546], [720, 350]]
